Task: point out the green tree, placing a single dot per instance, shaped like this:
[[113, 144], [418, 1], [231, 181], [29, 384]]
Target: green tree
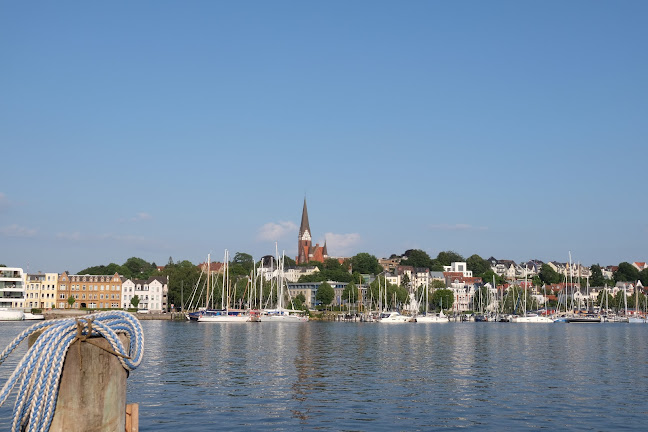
[[135, 301], [183, 279], [139, 268], [299, 302], [244, 260], [333, 264], [643, 276], [620, 300], [478, 265], [109, 270], [489, 275], [71, 300], [241, 292], [325, 294], [289, 262], [514, 301], [365, 263], [438, 284], [405, 280], [386, 294], [350, 293], [601, 300], [402, 295], [626, 272], [597, 279], [446, 258], [417, 258], [548, 275], [444, 298], [482, 299]]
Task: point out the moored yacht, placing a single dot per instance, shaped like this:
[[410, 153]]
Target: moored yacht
[[531, 318], [394, 317], [225, 315]]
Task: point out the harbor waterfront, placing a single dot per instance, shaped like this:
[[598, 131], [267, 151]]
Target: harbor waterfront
[[364, 376]]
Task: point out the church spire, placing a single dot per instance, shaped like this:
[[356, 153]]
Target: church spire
[[304, 229], [304, 241]]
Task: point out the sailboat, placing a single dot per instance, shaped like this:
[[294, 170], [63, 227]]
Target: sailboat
[[225, 314], [280, 313], [636, 318], [427, 318], [529, 318], [391, 317]]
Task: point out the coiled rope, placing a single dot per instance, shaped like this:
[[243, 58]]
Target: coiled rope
[[39, 371]]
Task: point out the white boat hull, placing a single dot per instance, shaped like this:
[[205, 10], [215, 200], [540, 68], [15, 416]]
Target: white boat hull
[[531, 319], [224, 318], [394, 318], [31, 316], [284, 318], [11, 314], [431, 319]]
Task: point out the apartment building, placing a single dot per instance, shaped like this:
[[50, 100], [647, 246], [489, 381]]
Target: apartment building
[[40, 290], [12, 287], [89, 291], [152, 293]]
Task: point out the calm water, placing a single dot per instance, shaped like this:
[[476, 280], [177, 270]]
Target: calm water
[[366, 376]]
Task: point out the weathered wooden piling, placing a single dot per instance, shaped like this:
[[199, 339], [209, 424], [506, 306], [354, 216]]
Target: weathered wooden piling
[[92, 389]]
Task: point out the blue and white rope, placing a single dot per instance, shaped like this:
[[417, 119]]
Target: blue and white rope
[[39, 371]]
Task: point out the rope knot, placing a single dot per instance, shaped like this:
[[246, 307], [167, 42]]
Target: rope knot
[[84, 328]]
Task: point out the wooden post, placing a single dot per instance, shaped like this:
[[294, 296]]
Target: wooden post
[[92, 390], [132, 417]]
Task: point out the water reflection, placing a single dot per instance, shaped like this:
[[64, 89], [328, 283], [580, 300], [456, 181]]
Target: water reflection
[[363, 376]]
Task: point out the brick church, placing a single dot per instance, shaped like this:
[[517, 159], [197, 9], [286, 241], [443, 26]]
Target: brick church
[[306, 252]]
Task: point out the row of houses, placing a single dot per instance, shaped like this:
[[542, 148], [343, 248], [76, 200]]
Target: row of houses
[[511, 270], [52, 290]]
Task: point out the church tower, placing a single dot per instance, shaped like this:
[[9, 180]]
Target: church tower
[[304, 240]]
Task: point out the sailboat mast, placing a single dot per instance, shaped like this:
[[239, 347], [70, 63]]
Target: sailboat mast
[[208, 277], [224, 281]]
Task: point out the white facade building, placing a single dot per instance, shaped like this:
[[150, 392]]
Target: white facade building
[[152, 293], [292, 274], [463, 296], [458, 267], [12, 287]]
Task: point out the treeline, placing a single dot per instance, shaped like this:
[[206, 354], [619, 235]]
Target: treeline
[[184, 275], [133, 268]]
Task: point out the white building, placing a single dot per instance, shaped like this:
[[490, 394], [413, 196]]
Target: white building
[[12, 287], [458, 267], [292, 274], [152, 293], [463, 296]]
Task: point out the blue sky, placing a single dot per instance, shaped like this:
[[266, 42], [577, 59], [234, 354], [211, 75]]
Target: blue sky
[[157, 129]]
